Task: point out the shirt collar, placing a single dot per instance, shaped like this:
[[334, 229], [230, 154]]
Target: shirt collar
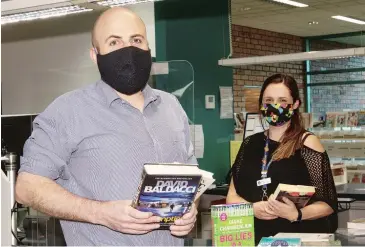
[[111, 95], [149, 95]]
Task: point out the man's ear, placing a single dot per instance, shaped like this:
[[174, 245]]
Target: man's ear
[[93, 53], [296, 104]]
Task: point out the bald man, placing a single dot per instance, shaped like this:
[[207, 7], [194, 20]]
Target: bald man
[[84, 159]]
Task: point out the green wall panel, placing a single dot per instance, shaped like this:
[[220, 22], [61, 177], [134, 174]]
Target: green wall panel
[[198, 31]]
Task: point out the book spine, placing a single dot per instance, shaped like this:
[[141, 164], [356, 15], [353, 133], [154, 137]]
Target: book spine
[[136, 196]]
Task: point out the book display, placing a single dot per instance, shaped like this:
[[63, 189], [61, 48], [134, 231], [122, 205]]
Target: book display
[[343, 136]]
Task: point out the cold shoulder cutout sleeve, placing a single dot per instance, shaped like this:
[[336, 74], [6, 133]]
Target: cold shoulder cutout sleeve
[[318, 165]]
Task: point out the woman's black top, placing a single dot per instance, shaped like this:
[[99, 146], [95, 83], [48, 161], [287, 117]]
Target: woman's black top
[[305, 167]]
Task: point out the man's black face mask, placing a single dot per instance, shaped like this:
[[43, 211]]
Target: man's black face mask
[[126, 70]]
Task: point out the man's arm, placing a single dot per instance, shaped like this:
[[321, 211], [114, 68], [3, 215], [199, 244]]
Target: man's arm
[[46, 196]]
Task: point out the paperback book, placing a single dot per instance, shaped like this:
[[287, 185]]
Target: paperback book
[[233, 224], [292, 242], [169, 190], [298, 194]]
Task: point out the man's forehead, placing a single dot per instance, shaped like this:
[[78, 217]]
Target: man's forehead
[[119, 24]]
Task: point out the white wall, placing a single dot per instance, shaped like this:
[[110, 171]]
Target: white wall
[[37, 70]]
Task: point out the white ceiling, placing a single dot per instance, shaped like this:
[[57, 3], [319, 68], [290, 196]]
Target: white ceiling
[[268, 15]]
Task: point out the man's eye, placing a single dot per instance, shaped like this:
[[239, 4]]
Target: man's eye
[[137, 41], [113, 43]]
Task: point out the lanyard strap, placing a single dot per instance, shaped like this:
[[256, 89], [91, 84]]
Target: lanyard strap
[[265, 167]]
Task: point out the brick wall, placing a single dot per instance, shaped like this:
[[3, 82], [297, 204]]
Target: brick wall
[[248, 42], [341, 96]]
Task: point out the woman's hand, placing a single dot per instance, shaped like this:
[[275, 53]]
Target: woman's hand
[[262, 212], [286, 210]]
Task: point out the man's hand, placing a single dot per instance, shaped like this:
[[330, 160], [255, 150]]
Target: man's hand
[[120, 216], [286, 210], [262, 212], [184, 225]]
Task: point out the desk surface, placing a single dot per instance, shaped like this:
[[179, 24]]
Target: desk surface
[[356, 191]]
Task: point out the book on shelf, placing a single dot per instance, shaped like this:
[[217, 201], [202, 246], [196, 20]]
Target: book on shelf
[[361, 118], [307, 237], [274, 241], [352, 118], [357, 224], [233, 225], [298, 194], [341, 119], [331, 119], [169, 190], [318, 120]]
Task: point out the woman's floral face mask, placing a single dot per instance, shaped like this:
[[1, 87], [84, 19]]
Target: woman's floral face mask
[[277, 114]]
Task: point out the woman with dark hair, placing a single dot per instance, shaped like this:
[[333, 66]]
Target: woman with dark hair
[[286, 153]]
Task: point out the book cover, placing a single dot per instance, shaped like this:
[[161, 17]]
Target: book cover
[[280, 242], [233, 225], [352, 119], [354, 178], [361, 118], [341, 119], [318, 120], [298, 194], [169, 196], [331, 119], [307, 237]]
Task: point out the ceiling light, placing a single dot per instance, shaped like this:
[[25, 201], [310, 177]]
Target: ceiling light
[[294, 57], [292, 3], [43, 14], [344, 18], [113, 3], [313, 23]]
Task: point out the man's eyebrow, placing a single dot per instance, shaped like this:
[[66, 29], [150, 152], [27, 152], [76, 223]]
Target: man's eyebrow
[[137, 35], [112, 36], [119, 37]]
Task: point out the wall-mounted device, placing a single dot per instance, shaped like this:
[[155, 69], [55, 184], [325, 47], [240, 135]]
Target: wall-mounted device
[[209, 102]]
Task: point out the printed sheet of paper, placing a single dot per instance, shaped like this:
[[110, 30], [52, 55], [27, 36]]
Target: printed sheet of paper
[[197, 138], [226, 94]]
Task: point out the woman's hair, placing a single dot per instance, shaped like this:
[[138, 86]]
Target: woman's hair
[[292, 138]]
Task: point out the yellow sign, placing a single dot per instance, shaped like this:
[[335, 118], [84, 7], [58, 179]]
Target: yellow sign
[[234, 148]]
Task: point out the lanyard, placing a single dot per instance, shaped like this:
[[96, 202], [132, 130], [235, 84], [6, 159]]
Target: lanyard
[[265, 167]]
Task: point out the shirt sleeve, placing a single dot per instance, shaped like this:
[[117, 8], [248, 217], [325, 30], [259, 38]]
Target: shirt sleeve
[[320, 173], [46, 152]]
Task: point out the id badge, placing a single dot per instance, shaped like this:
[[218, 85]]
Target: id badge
[[264, 181]]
